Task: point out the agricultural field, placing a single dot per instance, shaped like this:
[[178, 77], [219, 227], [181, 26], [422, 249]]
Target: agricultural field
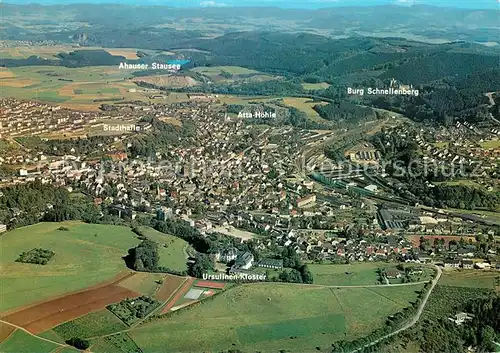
[[94, 324], [315, 86], [46, 315], [70, 87], [85, 255], [470, 278], [305, 105], [172, 250], [143, 282], [446, 300], [21, 342], [271, 317], [119, 343], [169, 286]]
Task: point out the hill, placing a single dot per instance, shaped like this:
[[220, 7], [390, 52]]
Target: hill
[[85, 254]]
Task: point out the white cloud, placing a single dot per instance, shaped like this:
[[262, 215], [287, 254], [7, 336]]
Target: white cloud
[[405, 2], [210, 3]]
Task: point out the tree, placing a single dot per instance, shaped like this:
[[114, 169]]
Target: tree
[[78, 343]]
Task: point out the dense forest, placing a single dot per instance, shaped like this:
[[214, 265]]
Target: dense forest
[[22, 205]]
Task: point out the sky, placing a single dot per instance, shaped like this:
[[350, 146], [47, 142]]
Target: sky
[[306, 4]]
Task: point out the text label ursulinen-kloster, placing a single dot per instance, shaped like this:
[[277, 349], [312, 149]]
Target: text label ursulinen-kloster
[[251, 277]]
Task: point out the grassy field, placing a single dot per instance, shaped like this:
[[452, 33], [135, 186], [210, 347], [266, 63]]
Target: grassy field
[[21, 342], [358, 274], [171, 249], [216, 70], [84, 255], [470, 278], [215, 73], [491, 144], [94, 324], [144, 283], [362, 273], [315, 86], [265, 316], [119, 343], [303, 105]]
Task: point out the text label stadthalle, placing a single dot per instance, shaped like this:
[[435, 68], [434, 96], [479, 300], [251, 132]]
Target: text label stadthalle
[[383, 91], [154, 66]]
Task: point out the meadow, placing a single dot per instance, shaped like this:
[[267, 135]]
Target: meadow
[[85, 255], [305, 105], [171, 249], [469, 278], [20, 342], [315, 86], [94, 324], [270, 317]]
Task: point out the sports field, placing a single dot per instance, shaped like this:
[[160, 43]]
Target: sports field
[[172, 250], [269, 317], [85, 255]]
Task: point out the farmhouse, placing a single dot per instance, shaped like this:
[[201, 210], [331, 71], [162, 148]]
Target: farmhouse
[[3, 228], [393, 274]]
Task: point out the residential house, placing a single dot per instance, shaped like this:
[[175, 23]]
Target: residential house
[[3, 228], [451, 263], [468, 264]]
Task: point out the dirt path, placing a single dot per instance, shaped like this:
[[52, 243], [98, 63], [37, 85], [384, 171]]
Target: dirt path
[[415, 318], [32, 334]]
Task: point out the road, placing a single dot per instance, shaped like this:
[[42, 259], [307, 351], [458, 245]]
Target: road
[[415, 318], [492, 103]]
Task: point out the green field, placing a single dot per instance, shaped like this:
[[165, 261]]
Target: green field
[[315, 86], [119, 343], [171, 256], [76, 87], [85, 255], [305, 105], [216, 70], [491, 144], [469, 278], [94, 324], [21, 342], [265, 316]]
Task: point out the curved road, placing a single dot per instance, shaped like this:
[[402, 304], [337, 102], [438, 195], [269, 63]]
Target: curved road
[[415, 318]]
